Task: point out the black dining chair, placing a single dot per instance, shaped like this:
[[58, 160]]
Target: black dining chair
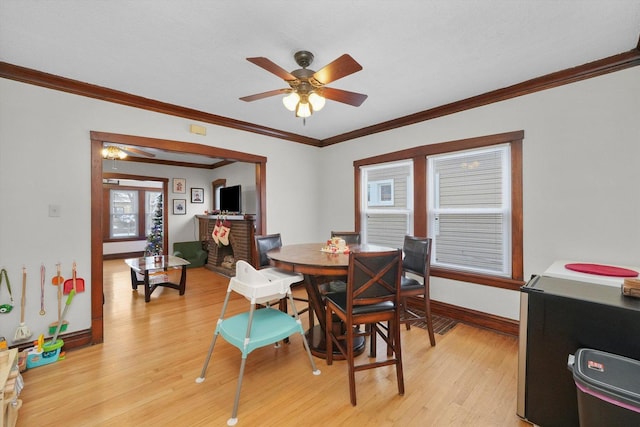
[[371, 298], [416, 261], [350, 237], [337, 284], [266, 243]]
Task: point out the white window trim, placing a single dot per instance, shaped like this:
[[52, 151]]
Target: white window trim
[[366, 208], [434, 211]]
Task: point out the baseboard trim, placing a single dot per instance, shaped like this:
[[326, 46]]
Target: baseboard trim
[[72, 340], [123, 255], [472, 317]]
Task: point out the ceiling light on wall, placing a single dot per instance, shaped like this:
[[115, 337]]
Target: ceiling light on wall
[[112, 152]]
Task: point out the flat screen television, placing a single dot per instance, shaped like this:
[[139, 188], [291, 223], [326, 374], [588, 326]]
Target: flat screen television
[[231, 199]]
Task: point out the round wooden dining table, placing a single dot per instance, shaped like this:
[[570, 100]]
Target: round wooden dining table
[[319, 268]]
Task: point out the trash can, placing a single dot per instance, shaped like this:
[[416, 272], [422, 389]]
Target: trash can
[[608, 388]]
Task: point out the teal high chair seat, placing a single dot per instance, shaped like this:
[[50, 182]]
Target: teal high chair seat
[[257, 327]]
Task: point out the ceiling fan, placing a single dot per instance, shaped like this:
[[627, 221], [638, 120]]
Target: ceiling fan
[[307, 90]]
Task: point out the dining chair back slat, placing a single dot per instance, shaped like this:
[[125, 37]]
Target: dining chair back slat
[[371, 299], [350, 237], [264, 244]]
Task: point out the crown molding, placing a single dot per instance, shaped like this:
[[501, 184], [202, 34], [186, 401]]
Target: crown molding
[[52, 81], [586, 71], [571, 75]]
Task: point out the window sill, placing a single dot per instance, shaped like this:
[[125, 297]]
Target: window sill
[[125, 239]]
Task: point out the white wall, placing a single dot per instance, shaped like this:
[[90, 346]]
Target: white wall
[[581, 151], [45, 159], [581, 189], [243, 174]]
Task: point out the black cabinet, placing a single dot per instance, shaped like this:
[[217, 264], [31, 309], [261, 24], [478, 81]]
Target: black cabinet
[[558, 316]]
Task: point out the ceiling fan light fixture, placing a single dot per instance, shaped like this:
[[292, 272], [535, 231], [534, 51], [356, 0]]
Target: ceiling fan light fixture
[[316, 101], [303, 110], [113, 152], [291, 101]]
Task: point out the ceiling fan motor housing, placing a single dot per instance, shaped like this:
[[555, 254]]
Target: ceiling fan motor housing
[[303, 58], [304, 83]]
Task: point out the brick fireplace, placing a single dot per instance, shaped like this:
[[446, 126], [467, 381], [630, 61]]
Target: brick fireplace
[[241, 236]]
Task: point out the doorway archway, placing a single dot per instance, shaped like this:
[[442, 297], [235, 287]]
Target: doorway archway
[[97, 141]]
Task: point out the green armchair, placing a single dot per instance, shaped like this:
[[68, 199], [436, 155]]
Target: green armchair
[[192, 252]]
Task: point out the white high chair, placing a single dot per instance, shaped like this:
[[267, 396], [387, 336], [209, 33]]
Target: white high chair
[[257, 327]]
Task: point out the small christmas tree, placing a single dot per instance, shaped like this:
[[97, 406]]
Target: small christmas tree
[[154, 239]]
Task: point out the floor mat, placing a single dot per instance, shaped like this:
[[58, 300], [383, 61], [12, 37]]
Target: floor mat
[[441, 325]]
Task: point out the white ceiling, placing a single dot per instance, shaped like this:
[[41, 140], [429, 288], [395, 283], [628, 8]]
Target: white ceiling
[[155, 155], [416, 55]]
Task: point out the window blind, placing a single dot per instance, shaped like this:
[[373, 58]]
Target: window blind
[[385, 221], [469, 210]]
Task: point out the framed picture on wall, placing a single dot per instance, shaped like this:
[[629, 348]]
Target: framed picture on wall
[[179, 206], [197, 195], [179, 185]]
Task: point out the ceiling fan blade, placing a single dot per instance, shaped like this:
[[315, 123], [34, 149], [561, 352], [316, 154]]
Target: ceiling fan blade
[[344, 96], [264, 95], [341, 67], [272, 67], [136, 151]]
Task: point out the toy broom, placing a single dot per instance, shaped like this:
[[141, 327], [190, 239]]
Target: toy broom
[[23, 332]]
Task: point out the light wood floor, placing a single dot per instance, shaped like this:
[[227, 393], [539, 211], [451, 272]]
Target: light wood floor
[[144, 373]]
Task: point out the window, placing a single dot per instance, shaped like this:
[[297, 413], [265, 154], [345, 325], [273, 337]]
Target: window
[[131, 212], [124, 214], [469, 210], [388, 209], [380, 193], [465, 194]]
